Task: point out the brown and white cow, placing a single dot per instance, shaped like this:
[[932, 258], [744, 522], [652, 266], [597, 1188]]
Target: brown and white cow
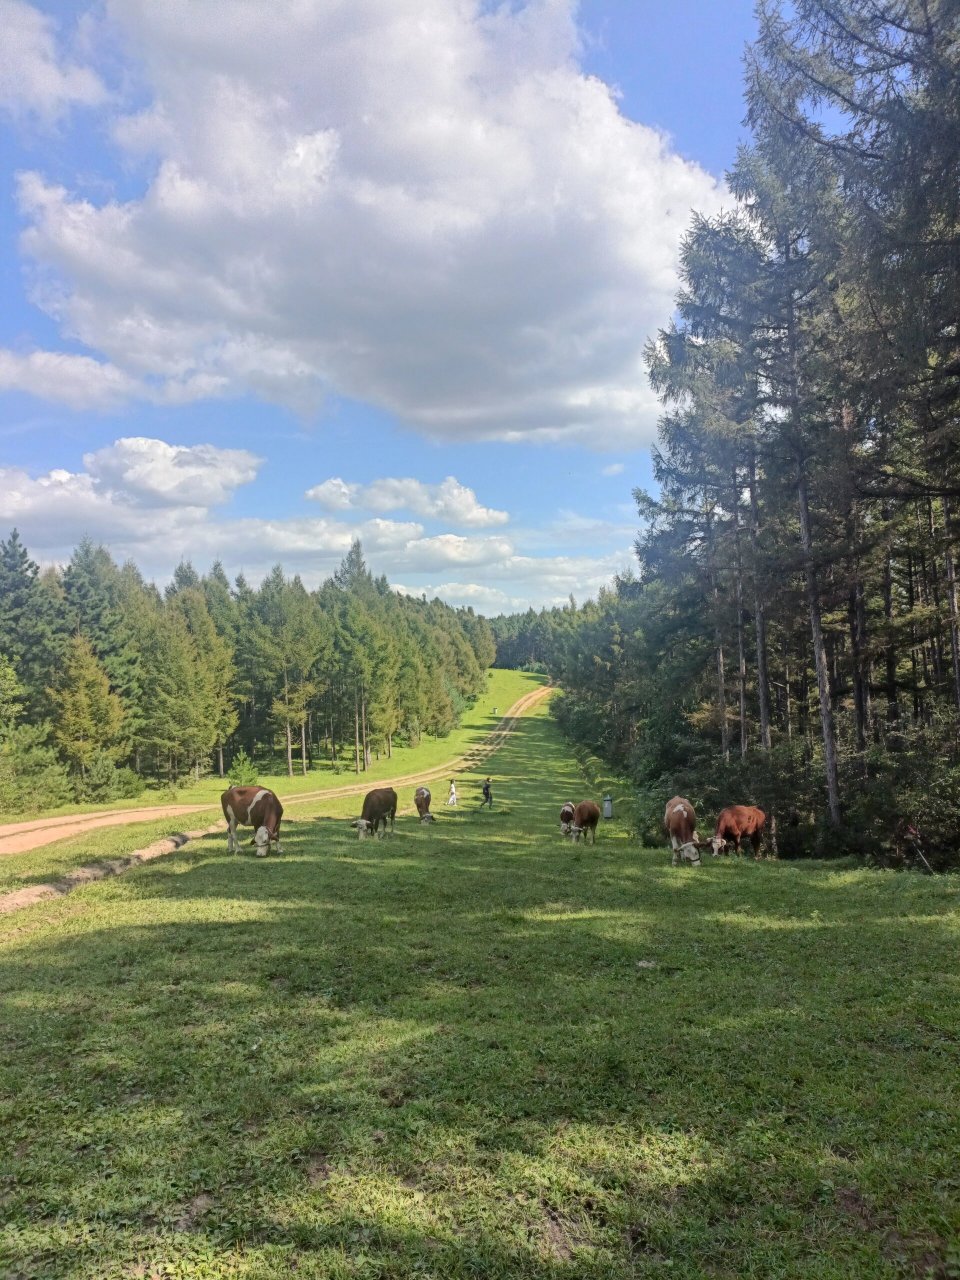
[[566, 817], [421, 798], [378, 805], [255, 807], [586, 816], [734, 823], [680, 822]]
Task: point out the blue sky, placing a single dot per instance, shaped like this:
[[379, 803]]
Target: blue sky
[[380, 268]]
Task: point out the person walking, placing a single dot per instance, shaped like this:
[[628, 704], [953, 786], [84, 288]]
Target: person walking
[[452, 797], [487, 794]]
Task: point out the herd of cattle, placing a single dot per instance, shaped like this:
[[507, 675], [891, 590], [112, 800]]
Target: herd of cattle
[[259, 808]]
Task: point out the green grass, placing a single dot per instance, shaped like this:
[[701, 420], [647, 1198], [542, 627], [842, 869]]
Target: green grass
[[503, 688], [477, 1051]]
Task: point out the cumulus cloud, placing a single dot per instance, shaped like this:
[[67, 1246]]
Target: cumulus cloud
[[155, 503], [614, 469], [450, 500], [35, 77], [154, 473], [421, 204]]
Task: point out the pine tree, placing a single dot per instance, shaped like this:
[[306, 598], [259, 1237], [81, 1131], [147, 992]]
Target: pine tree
[[89, 716]]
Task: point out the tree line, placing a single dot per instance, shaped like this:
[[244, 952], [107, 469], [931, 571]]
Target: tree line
[[791, 635], [106, 682]]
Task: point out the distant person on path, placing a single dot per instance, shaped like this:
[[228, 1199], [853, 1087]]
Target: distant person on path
[[452, 797], [487, 795]]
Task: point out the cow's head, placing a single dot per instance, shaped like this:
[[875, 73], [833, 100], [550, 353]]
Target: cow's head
[[262, 840], [717, 845], [565, 828], [690, 852], [363, 827], [574, 832], [427, 817]]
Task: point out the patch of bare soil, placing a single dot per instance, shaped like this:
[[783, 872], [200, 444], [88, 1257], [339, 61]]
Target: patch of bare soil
[[193, 1211]]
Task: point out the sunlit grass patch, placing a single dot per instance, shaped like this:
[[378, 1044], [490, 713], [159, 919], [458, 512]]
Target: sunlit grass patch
[[475, 1050]]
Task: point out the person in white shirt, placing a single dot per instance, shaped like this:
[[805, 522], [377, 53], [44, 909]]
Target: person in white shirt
[[452, 797]]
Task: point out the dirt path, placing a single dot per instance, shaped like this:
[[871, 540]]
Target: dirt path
[[21, 837]]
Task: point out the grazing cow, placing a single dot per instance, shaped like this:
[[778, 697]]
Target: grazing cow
[[566, 817], [680, 822], [378, 805], [421, 798], [252, 807], [734, 823], [586, 816]]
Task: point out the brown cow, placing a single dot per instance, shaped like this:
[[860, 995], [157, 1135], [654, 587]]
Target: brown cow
[[680, 821], [421, 798], [734, 823], [566, 817], [252, 807], [378, 805], [586, 816]]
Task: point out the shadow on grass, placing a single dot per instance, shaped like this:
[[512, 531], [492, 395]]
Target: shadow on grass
[[476, 1050]]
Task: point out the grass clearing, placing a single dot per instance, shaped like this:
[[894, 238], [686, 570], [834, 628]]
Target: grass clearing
[[502, 690], [474, 1050]]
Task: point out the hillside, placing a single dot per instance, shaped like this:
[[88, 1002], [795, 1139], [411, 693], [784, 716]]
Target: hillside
[[475, 1050]]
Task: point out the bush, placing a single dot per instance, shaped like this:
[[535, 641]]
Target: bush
[[105, 782], [31, 774], [243, 772]]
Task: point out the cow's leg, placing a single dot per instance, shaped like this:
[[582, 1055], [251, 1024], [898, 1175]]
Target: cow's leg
[[233, 844], [276, 836]]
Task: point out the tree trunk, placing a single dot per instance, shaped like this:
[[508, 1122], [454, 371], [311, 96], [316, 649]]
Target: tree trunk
[[303, 746], [220, 757], [890, 653], [356, 733], [289, 733], [718, 645], [952, 598], [819, 651], [363, 724], [389, 746], [759, 616], [741, 651]]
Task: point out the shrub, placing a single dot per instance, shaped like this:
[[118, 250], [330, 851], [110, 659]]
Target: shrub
[[31, 774], [243, 772]]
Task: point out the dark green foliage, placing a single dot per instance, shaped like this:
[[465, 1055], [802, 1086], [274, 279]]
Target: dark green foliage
[[31, 773], [171, 686], [793, 638]]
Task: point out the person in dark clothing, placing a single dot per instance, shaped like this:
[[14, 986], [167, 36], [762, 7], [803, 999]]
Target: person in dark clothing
[[487, 795]]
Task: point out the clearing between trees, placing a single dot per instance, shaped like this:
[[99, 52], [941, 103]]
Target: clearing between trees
[[477, 1050]]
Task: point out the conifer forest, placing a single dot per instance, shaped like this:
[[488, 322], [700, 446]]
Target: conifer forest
[[791, 631], [106, 683]]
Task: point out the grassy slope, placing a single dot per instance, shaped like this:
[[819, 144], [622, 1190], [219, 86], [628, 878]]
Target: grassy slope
[[48, 862], [502, 689], [438, 1055]]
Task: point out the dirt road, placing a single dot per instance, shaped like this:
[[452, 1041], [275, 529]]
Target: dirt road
[[20, 837]]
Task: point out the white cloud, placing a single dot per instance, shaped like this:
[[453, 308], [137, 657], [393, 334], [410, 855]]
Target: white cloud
[[614, 469], [154, 503], [76, 381], [154, 473], [34, 80], [421, 204], [450, 500]]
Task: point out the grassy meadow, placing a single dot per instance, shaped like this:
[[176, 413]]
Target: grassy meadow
[[474, 1050]]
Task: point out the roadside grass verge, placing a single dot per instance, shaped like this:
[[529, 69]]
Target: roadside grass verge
[[503, 688], [474, 1050]]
